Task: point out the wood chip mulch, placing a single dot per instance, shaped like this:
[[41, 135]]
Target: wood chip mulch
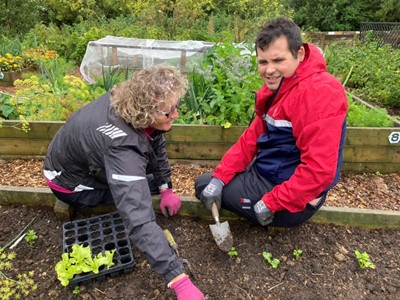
[[367, 191]]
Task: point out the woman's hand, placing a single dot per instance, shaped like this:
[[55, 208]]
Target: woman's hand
[[170, 203]]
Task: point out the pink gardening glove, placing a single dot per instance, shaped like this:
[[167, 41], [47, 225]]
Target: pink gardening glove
[[170, 202], [186, 290]]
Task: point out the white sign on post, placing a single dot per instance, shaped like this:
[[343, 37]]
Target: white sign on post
[[394, 137]]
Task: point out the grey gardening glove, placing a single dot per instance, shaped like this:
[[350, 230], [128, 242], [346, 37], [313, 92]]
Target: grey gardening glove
[[263, 214], [212, 193]]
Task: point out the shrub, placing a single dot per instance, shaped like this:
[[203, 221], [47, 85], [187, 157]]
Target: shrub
[[374, 70], [222, 87]]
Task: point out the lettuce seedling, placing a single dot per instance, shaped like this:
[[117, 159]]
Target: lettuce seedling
[[363, 260], [297, 253], [273, 262], [76, 290], [232, 253], [31, 237], [79, 261]]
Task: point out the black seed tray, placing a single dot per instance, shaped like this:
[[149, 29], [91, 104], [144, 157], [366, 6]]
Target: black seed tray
[[102, 233]]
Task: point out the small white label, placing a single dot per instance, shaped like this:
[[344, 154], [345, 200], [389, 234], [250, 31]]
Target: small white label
[[394, 137]]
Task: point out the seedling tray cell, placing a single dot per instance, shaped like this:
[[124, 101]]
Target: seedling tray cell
[[102, 233]]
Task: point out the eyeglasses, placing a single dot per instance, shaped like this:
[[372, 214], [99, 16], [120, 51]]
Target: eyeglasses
[[171, 111]]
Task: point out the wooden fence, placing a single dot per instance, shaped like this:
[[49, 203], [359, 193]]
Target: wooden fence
[[325, 38], [366, 149]]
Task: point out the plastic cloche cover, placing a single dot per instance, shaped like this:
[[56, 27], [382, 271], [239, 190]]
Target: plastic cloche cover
[[111, 52]]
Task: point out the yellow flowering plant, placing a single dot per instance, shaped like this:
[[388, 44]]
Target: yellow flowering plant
[[28, 58], [43, 100], [10, 62]]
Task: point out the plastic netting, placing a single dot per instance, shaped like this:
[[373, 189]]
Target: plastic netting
[[111, 52]]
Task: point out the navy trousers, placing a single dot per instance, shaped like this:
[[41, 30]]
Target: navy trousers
[[246, 189]]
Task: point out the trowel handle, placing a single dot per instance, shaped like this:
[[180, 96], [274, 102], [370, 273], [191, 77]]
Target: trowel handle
[[215, 212], [170, 239]]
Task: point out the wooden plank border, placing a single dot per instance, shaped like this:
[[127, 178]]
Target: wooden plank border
[[366, 149], [191, 207]]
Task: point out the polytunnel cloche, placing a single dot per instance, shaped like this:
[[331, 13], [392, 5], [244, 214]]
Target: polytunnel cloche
[[113, 52]]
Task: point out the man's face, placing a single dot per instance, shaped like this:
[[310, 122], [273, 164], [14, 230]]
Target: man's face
[[277, 61]]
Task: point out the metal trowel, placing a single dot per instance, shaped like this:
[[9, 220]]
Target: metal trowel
[[221, 231]]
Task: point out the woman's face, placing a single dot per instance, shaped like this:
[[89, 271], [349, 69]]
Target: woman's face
[[167, 115]]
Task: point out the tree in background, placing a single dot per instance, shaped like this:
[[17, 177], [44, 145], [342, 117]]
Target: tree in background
[[342, 15], [328, 15], [171, 19], [389, 11], [73, 11], [247, 16], [19, 16], [239, 20]]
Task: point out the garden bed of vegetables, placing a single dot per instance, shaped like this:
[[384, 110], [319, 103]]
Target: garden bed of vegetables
[[326, 269]]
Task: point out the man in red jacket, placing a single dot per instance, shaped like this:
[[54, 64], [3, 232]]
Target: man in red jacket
[[279, 171]]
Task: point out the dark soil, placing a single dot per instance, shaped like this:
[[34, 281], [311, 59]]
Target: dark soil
[[327, 269]]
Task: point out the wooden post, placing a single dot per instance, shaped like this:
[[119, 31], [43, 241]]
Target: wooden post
[[114, 56], [182, 66]]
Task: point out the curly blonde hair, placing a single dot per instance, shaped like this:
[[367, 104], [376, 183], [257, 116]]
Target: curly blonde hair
[[139, 99]]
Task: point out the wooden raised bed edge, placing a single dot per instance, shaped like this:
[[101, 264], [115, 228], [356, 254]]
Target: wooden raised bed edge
[[366, 149], [191, 207]]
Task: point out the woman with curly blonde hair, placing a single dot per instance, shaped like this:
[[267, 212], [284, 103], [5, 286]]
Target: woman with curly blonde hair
[[113, 151], [140, 99]]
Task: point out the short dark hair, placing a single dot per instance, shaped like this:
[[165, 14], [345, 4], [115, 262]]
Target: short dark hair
[[274, 29]]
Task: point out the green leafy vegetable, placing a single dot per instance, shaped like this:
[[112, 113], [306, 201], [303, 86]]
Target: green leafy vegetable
[[232, 253], [79, 261], [274, 262], [31, 237], [363, 260], [297, 253]]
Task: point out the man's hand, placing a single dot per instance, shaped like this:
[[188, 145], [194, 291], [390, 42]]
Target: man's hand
[[170, 202], [212, 193], [263, 214]]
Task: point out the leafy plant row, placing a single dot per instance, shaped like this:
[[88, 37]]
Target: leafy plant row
[[221, 90], [372, 70], [362, 258]]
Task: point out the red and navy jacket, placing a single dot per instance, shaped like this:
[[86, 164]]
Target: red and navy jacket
[[298, 144]]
